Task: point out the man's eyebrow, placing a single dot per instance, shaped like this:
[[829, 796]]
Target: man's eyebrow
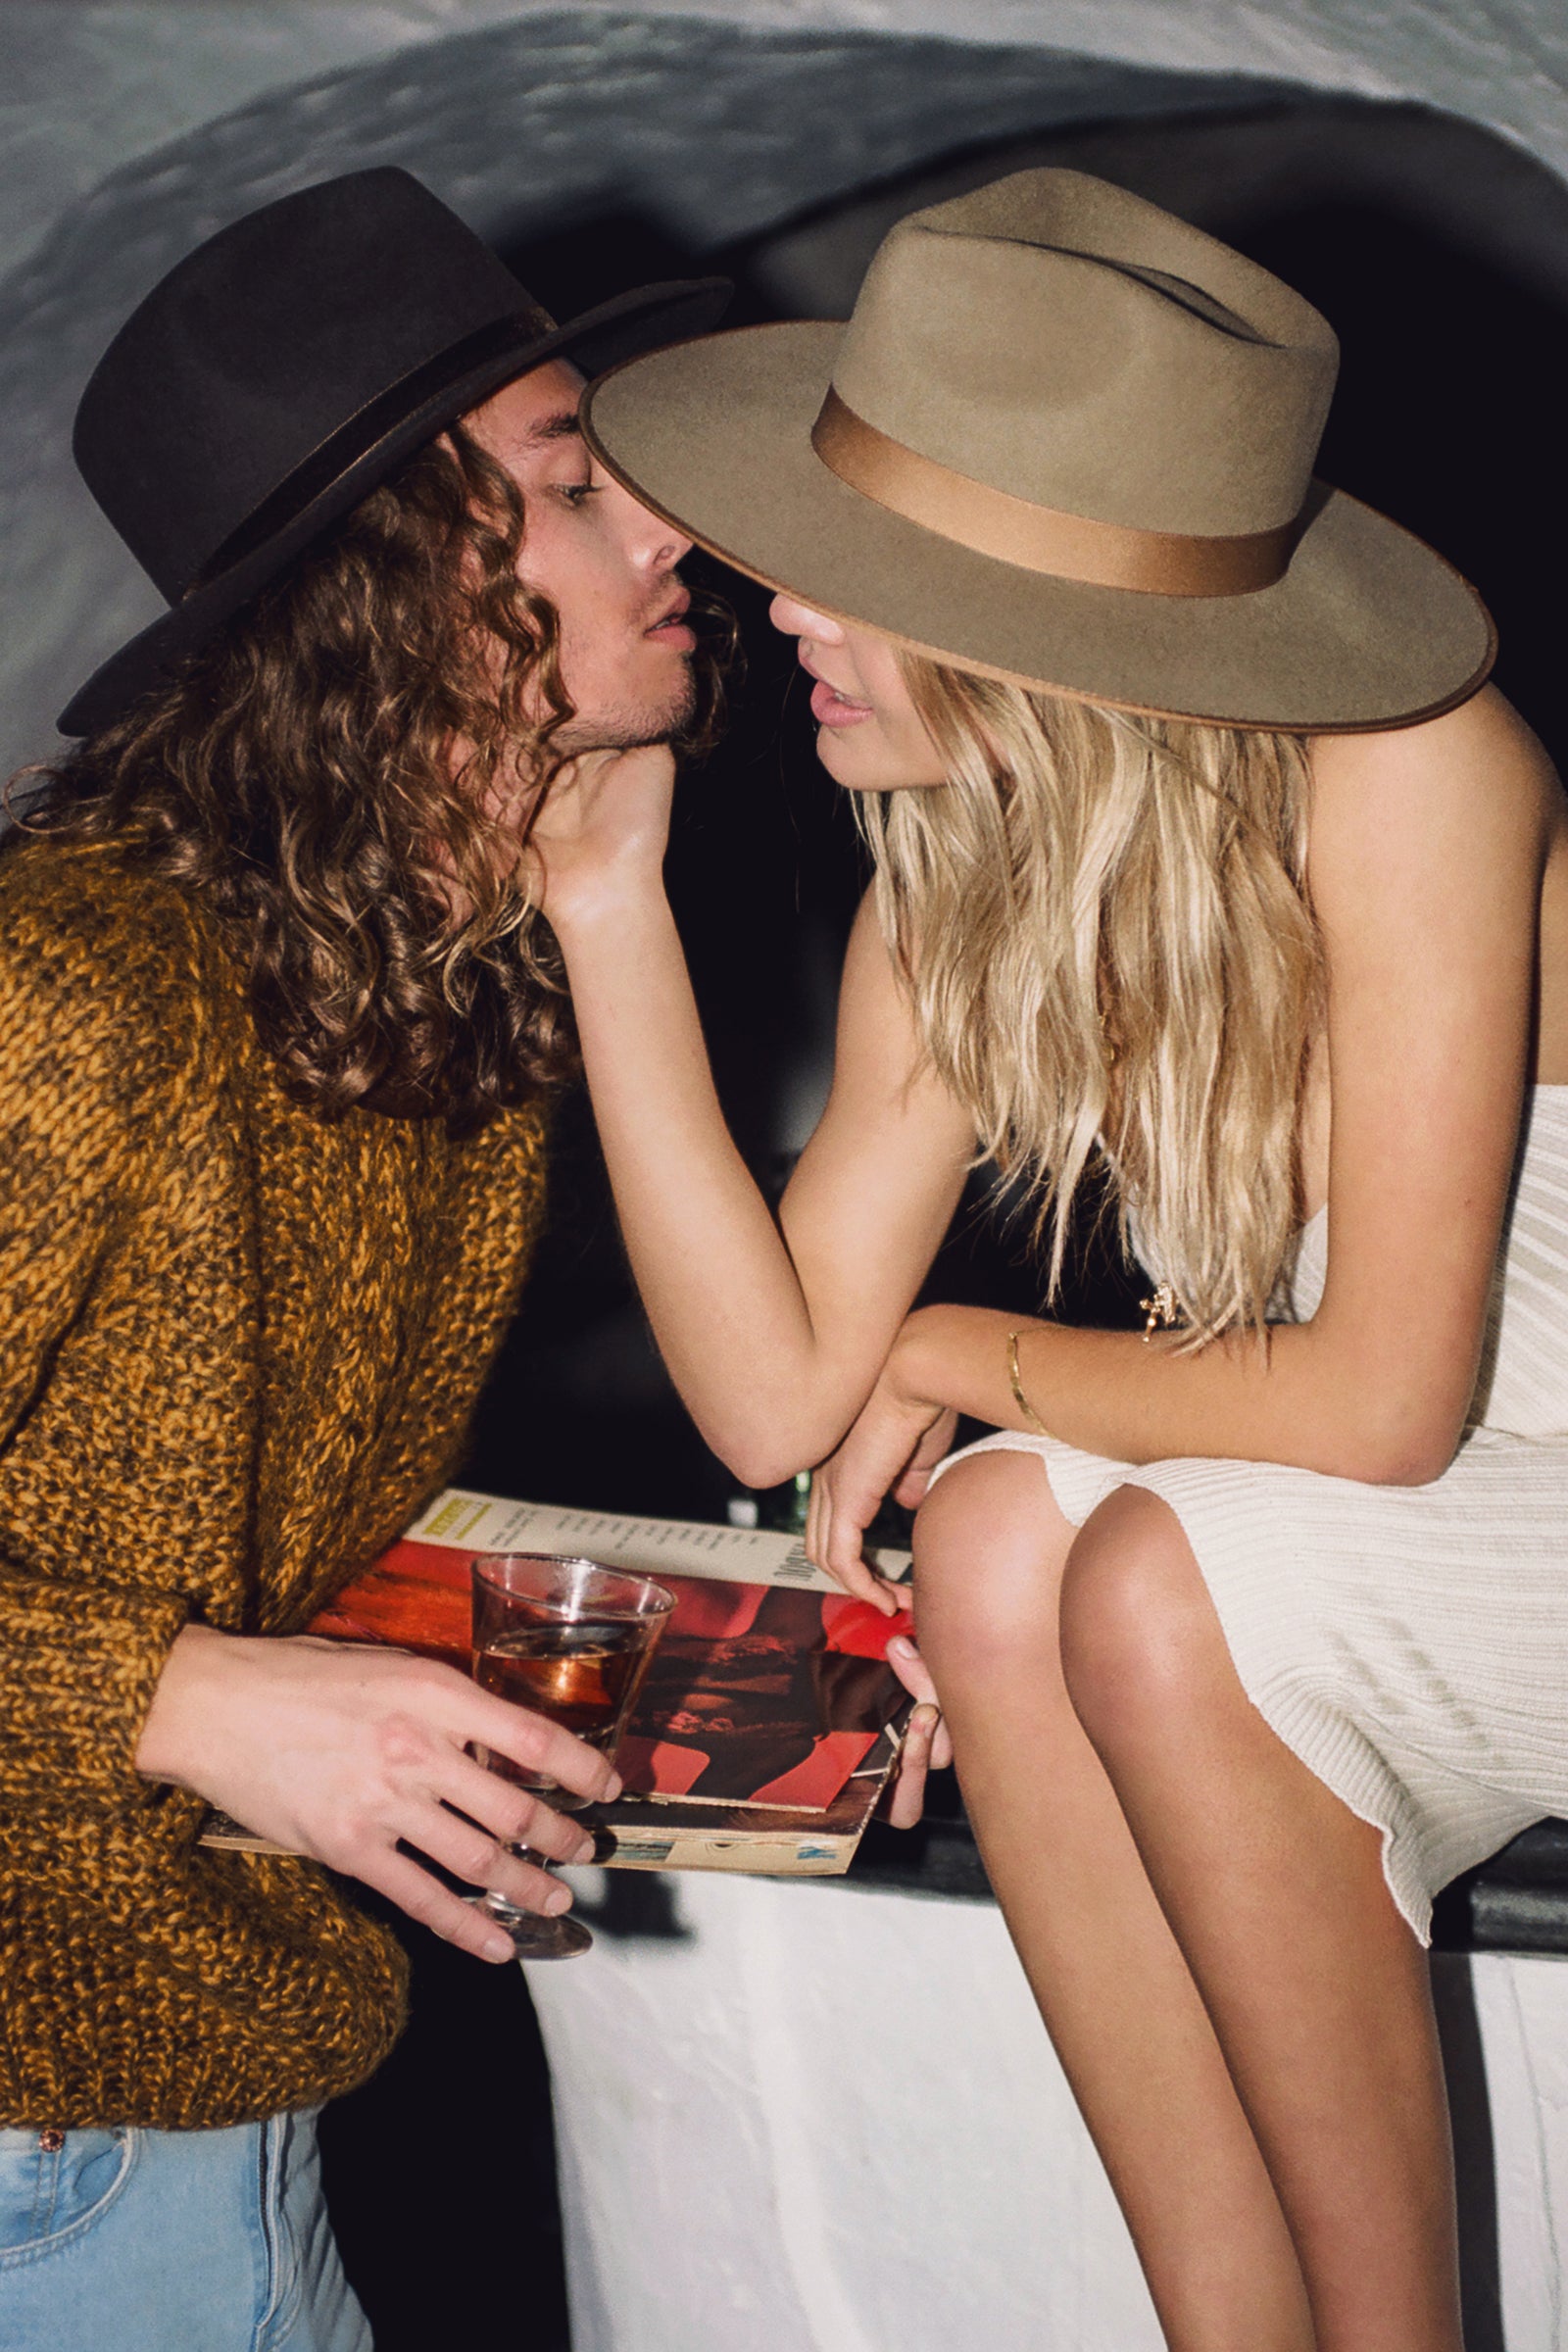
[[563, 426]]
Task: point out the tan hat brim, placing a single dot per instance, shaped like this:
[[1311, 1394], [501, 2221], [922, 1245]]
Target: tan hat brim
[[1368, 627]]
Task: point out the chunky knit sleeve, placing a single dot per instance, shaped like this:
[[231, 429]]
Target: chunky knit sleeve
[[87, 1071]]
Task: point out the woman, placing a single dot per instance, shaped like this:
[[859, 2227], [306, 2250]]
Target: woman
[[1198, 846]]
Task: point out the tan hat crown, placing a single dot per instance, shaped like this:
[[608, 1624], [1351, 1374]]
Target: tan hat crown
[[1052, 349], [1065, 441]]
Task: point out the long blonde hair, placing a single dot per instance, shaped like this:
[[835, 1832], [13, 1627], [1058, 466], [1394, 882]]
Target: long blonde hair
[[1103, 924]]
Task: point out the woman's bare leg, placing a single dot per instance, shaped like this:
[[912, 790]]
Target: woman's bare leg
[[1113, 1989], [1316, 1986]]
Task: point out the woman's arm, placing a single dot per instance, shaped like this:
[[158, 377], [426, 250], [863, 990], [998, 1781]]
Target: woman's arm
[[1426, 853], [773, 1338]]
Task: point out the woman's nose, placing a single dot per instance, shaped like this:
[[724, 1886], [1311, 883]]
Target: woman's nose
[[799, 621]]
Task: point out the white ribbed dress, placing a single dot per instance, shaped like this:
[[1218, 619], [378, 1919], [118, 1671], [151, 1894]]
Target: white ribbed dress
[[1408, 1643]]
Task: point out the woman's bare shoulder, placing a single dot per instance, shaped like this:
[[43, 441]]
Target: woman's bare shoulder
[[1447, 843], [1482, 748]]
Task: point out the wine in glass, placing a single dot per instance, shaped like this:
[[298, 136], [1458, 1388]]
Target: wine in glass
[[572, 1640]]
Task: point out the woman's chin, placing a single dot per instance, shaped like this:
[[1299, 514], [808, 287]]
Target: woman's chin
[[855, 757], [838, 758]]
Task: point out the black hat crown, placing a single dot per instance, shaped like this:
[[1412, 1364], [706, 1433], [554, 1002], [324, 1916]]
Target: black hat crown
[[265, 344], [284, 368]]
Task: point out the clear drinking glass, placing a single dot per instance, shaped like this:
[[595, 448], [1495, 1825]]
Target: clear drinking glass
[[572, 1640]]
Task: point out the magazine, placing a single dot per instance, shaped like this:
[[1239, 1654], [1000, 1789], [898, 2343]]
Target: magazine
[[769, 1721]]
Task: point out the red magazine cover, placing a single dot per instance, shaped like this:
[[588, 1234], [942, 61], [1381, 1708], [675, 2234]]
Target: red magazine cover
[[768, 1696]]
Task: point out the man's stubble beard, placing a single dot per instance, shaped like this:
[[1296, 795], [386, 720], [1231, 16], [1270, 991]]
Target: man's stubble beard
[[631, 727]]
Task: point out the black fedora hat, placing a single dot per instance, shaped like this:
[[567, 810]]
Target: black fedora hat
[[287, 366]]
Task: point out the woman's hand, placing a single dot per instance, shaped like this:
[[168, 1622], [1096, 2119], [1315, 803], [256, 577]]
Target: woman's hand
[[339, 1752], [601, 832], [895, 1443], [927, 1746]]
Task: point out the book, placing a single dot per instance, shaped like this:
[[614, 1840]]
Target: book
[[769, 1722]]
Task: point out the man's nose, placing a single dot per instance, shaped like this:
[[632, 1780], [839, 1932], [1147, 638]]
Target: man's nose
[[799, 621], [653, 544]]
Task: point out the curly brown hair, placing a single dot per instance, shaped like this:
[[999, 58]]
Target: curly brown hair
[[300, 774]]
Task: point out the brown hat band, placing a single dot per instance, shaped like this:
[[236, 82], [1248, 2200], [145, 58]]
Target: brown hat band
[[1016, 531]]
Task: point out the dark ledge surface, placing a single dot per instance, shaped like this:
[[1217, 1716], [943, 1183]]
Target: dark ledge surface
[[1517, 1902]]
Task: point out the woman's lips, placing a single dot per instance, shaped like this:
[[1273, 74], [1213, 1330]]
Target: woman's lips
[[830, 709]]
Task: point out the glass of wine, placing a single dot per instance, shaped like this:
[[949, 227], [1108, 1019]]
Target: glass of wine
[[572, 1641]]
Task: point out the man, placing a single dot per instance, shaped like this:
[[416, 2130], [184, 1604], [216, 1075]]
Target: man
[[275, 1033]]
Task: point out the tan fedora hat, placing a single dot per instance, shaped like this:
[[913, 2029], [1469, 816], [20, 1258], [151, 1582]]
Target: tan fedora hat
[[1066, 439]]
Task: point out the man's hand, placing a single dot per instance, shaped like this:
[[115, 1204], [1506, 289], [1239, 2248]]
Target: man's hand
[[339, 1752], [601, 833]]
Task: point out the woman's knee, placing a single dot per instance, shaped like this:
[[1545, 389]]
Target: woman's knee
[[1139, 1633], [988, 1546]]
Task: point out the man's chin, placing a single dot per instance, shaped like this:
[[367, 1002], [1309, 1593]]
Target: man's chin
[[630, 726]]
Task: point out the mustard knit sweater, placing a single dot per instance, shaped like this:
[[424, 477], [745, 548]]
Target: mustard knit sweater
[[239, 1349]]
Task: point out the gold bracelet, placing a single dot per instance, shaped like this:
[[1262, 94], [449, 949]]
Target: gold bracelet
[[1017, 1385]]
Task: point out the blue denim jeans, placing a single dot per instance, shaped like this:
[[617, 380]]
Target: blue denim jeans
[[127, 2240]]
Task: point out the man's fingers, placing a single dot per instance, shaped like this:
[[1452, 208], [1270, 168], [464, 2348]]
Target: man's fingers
[[537, 1745], [512, 1815], [469, 1854], [438, 1698], [446, 1915], [529, 1888]]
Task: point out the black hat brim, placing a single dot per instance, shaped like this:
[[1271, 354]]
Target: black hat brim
[[406, 417]]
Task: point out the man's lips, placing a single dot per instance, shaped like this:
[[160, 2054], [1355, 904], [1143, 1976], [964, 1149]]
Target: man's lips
[[671, 628]]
